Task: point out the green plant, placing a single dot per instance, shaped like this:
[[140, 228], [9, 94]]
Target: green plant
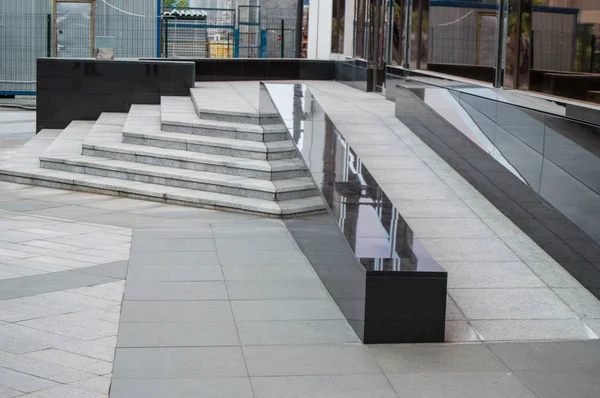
[[176, 3]]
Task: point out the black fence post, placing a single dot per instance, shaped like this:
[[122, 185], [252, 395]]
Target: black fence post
[[593, 49], [49, 35], [282, 38], [299, 21]]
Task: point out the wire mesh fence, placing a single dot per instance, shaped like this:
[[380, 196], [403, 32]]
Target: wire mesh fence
[[219, 34]]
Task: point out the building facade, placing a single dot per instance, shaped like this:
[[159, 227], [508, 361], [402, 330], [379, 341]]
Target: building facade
[[552, 46]]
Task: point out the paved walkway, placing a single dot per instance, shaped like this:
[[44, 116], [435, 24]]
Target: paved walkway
[[221, 304]]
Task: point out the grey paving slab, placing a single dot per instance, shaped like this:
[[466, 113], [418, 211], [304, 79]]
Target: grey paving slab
[[188, 362], [262, 257], [550, 356], [539, 303], [460, 332], [182, 388], [580, 300], [268, 273], [175, 291], [532, 329], [557, 384], [27, 204], [449, 227], [296, 332], [22, 381], [66, 391], [480, 274], [429, 358], [275, 290], [139, 259], [285, 243], [176, 311], [175, 273], [173, 245], [49, 282], [285, 310], [169, 233], [190, 334], [297, 360], [469, 250], [459, 385], [8, 392], [117, 270], [343, 386]]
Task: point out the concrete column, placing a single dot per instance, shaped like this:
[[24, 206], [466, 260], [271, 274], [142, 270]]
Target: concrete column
[[319, 29], [349, 28]]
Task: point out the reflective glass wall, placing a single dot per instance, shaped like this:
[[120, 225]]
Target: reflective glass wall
[[550, 46]]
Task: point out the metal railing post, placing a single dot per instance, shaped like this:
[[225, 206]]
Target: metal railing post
[[49, 35], [282, 38]]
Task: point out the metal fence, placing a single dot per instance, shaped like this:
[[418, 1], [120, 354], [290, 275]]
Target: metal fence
[[26, 37]]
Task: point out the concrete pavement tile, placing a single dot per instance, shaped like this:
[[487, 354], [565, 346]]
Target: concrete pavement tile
[[190, 334], [8, 392], [426, 358], [66, 392], [344, 386], [173, 245], [175, 273], [44, 370], [296, 332], [540, 303], [264, 257], [449, 227], [176, 311], [286, 310], [550, 356], [459, 385], [536, 329], [557, 384], [469, 250], [182, 388], [271, 290], [23, 382], [100, 384], [480, 274], [460, 331], [174, 291], [580, 300], [268, 272], [138, 259], [189, 362], [298, 360]]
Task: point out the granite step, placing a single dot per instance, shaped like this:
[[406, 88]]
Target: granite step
[[177, 114], [182, 178], [238, 114], [243, 167], [158, 193], [213, 145]]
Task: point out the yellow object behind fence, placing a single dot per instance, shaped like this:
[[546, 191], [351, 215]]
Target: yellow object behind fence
[[221, 49]]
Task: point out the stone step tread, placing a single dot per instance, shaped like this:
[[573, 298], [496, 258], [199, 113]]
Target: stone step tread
[[180, 111], [276, 186], [231, 143], [198, 157], [107, 185]]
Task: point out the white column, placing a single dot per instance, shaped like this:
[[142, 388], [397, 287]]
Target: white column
[[349, 28], [319, 28]]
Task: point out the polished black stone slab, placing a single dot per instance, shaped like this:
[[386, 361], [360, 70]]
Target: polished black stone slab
[[241, 69], [355, 73], [382, 278], [81, 89], [538, 169]]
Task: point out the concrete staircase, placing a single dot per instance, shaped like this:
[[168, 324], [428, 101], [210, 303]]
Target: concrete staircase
[[175, 152]]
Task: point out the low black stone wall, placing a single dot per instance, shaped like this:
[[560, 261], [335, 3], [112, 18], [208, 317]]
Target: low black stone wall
[[355, 73], [81, 89], [563, 239]]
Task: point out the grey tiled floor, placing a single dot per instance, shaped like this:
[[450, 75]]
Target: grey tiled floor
[[226, 306]]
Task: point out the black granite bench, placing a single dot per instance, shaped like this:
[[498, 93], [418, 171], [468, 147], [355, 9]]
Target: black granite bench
[[382, 278]]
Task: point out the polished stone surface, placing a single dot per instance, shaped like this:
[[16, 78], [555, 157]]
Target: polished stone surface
[[537, 168], [365, 228]]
